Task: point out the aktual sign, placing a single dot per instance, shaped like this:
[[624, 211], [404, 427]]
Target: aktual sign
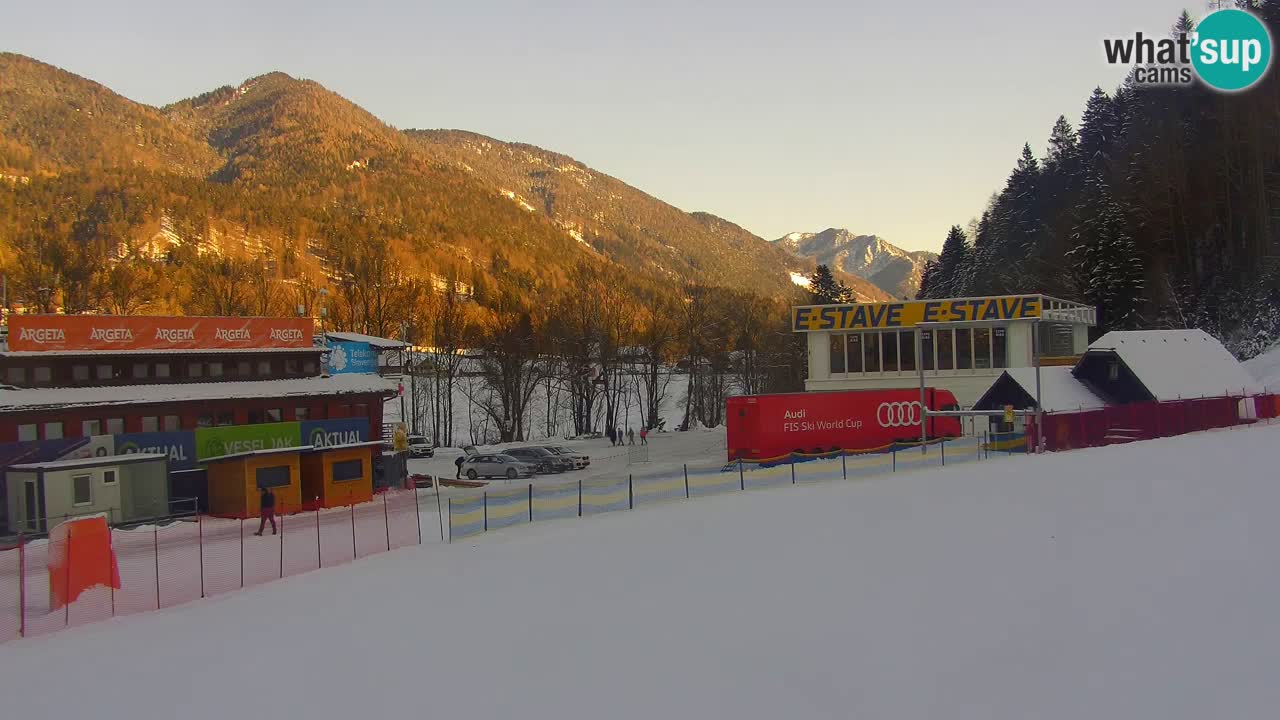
[[328, 433], [179, 446], [36, 333], [351, 357], [875, 316], [234, 439]]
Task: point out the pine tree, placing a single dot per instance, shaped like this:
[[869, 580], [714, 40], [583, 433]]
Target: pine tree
[[948, 280], [1064, 148], [826, 290], [928, 281], [1099, 128], [1105, 261]]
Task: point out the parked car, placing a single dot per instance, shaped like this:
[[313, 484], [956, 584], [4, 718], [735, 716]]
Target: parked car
[[495, 465], [420, 447], [544, 461], [580, 460]]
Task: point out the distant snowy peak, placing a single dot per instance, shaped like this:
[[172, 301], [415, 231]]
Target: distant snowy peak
[[889, 267]]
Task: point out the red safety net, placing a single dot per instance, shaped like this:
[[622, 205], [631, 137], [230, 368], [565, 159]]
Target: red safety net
[[1144, 421]]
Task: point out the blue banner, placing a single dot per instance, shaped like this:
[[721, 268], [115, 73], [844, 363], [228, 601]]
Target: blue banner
[[351, 357], [179, 446], [341, 431]]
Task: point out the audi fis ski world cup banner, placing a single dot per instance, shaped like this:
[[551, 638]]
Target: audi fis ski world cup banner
[[889, 414], [876, 316], [49, 333]]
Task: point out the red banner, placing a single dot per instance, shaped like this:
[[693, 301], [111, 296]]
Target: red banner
[[37, 333]]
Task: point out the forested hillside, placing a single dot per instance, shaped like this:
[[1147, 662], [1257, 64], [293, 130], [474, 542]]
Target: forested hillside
[[1162, 208]]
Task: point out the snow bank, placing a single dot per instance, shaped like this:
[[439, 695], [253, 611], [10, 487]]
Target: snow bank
[[1265, 368], [1123, 582]]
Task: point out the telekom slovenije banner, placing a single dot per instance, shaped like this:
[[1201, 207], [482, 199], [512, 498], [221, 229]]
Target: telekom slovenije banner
[[35, 333]]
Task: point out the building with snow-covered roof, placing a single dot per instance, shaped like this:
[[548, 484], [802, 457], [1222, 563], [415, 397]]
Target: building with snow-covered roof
[[1162, 365], [1060, 391]]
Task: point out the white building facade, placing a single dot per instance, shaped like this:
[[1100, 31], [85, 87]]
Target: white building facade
[[965, 343]]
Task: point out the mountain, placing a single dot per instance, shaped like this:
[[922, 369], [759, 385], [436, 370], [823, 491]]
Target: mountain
[[895, 271], [282, 173]]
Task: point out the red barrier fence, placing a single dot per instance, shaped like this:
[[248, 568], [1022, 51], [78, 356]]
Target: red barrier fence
[[201, 556], [1144, 421]]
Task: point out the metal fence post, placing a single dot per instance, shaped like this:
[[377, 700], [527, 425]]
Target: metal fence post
[[282, 545], [22, 585], [486, 510], [844, 469], [354, 554], [579, 498], [319, 557], [439, 511], [631, 496], [893, 459], [530, 502], [386, 518], [241, 553], [200, 539], [111, 567], [742, 479], [944, 451], [686, 481], [793, 473], [450, 520], [155, 534]]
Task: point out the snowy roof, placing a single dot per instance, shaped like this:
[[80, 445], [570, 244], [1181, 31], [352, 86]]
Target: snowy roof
[[256, 453], [45, 398], [378, 343], [1059, 389], [90, 461], [1175, 364]]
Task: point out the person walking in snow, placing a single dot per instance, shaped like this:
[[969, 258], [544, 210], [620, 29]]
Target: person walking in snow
[[613, 437], [631, 436], [266, 510], [458, 464], [644, 436]]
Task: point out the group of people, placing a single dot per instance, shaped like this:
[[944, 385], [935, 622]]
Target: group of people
[[617, 437]]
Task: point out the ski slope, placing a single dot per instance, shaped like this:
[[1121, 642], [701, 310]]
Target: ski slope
[[1133, 581]]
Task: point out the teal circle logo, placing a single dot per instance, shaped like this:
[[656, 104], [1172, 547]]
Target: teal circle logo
[[1231, 50]]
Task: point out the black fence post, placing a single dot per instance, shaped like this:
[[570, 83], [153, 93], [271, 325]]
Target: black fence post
[[844, 469], [579, 498], [742, 479], [944, 452], [793, 472], [686, 481], [486, 511], [893, 459], [530, 502], [631, 495]]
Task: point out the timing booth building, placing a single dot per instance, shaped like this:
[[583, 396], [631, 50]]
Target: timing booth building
[[966, 343]]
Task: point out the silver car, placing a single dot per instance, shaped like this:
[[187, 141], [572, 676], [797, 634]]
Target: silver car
[[580, 460], [495, 465]]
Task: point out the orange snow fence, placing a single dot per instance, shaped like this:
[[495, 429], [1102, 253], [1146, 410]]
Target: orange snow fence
[[80, 557]]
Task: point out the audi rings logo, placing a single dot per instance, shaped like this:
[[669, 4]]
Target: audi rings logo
[[898, 414]]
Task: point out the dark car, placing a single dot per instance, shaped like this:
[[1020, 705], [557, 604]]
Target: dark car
[[580, 460], [545, 462]]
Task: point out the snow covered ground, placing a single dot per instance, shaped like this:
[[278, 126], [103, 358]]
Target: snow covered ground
[[1266, 368], [1131, 581]]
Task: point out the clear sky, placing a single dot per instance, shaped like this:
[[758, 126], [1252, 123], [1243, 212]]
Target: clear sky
[[893, 118]]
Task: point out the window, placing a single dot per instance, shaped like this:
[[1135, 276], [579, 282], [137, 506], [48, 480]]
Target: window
[[80, 373], [926, 348], [244, 368], [871, 352], [982, 348], [264, 367], [115, 426], [226, 417], [309, 367], [43, 374], [946, 359], [291, 366], [16, 375], [1113, 371], [204, 421], [275, 415], [172, 423], [162, 370], [82, 489], [274, 476], [300, 413], [150, 423], [906, 350], [141, 371], [889, 343], [53, 431], [348, 470], [255, 416], [999, 349], [89, 428], [108, 477], [964, 349], [195, 370], [27, 433], [855, 352], [837, 354], [215, 369], [105, 372]]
